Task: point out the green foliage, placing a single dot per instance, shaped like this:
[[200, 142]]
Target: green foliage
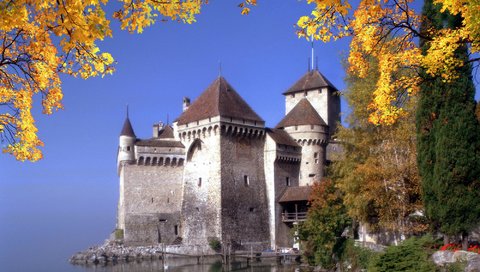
[[119, 234], [322, 231], [379, 175], [214, 243], [355, 258], [411, 255], [448, 142]]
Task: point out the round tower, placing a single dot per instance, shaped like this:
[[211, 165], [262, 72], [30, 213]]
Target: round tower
[[309, 130], [126, 150]]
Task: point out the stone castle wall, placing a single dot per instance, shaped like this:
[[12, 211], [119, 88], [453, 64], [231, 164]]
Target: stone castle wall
[[284, 235], [244, 198], [151, 203], [201, 197]]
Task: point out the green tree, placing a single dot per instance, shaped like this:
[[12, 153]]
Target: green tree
[[412, 254], [378, 173], [448, 140], [327, 220]]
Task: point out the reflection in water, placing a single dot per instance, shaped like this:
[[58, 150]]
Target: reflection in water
[[191, 264]]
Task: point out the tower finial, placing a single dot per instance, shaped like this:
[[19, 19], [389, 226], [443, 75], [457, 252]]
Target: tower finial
[[127, 111], [313, 53], [316, 64], [219, 68], [168, 119]]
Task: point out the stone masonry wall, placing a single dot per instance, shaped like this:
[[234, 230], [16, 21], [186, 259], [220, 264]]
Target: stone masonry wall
[[201, 203], [283, 170], [152, 204], [244, 198]]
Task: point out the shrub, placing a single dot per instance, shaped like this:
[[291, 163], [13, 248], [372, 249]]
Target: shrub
[[412, 254], [214, 243], [118, 234], [356, 258]]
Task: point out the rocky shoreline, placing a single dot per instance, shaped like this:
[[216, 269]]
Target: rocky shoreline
[[111, 252]]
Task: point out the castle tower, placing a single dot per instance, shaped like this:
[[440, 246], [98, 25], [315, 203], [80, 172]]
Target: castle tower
[[322, 95], [126, 155], [126, 152], [306, 126], [224, 180]]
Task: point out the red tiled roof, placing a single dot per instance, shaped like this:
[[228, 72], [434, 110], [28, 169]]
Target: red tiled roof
[[302, 114], [166, 133], [280, 136], [311, 80], [297, 193], [155, 142], [218, 99]]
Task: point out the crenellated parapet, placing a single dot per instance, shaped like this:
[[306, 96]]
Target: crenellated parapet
[[307, 142], [161, 161], [236, 130]]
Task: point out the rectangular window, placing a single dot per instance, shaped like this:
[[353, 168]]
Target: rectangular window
[[305, 94], [199, 182], [311, 175], [292, 95], [175, 229], [312, 127], [252, 209], [287, 181], [128, 148], [246, 180], [296, 127], [315, 155]]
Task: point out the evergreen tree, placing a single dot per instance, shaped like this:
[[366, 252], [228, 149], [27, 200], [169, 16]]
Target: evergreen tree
[[448, 140]]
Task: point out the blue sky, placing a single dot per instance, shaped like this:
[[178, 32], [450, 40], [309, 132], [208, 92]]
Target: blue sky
[[260, 54]]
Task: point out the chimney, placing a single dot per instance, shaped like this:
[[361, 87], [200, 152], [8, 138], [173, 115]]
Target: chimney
[[186, 103], [157, 128]]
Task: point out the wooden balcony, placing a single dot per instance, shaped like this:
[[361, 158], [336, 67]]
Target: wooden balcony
[[294, 217]]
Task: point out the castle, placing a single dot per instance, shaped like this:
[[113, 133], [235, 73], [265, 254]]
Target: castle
[[217, 173]]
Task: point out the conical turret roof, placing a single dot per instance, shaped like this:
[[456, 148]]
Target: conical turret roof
[[311, 80], [127, 129], [302, 114], [219, 99]]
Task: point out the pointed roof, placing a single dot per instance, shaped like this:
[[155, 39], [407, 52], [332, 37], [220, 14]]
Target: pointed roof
[[302, 114], [127, 129], [218, 99], [311, 80], [166, 133]]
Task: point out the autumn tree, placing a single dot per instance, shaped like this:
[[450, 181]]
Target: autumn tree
[[326, 222], [378, 173], [41, 40], [375, 26], [448, 138]]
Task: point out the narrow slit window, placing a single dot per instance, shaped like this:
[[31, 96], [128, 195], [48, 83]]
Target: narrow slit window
[[246, 180], [175, 229], [252, 209], [199, 182], [287, 181]]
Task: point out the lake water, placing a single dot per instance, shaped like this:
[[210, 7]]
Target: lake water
[[189, 264], [42, 224]]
